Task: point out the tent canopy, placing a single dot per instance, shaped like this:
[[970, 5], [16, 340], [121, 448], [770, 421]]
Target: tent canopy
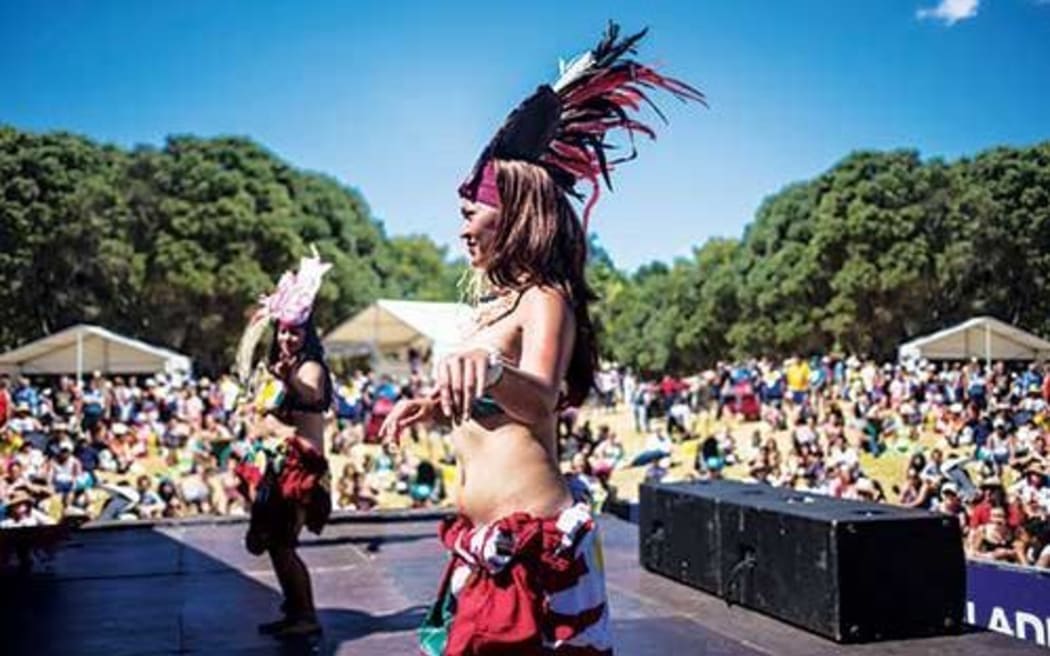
[[85, 347], [980, 337], [389, 328]]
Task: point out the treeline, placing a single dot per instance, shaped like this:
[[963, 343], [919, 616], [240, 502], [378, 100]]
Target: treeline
[[173, 244], [881, 247]]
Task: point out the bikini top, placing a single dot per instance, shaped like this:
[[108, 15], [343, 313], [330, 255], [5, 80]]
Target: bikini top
[[485, 407]]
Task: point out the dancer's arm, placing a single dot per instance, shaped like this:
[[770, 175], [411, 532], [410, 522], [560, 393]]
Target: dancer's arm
[[308, 382]]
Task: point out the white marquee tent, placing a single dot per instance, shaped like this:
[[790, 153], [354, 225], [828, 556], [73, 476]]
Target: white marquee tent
[[981, 337], [85, 347], [387, 329]]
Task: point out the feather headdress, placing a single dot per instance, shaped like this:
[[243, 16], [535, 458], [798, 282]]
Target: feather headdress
[[291, 303], [563, 127]]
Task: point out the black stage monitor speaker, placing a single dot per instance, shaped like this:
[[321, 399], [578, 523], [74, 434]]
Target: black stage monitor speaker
[[850, 571]]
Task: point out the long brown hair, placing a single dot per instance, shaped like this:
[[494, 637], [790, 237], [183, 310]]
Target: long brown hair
[[540, 241]]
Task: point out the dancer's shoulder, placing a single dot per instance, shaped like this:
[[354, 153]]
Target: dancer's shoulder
[[545, 303], [546, 297]]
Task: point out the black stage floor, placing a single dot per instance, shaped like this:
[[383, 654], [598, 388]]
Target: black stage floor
[[192, 589]]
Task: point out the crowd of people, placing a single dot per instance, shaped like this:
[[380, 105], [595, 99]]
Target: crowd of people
[[159, 446], [973, 439]]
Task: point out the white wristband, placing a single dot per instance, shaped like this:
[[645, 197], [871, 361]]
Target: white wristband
[[494, 367]]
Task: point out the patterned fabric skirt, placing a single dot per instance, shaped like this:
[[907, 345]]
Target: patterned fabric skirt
[[521, 585]]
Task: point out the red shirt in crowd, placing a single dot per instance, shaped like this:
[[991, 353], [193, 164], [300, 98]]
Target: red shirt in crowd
[[5, 406], [669, 387], [982, 514]]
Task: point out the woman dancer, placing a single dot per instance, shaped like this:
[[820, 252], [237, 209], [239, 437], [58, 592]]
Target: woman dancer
[[526, 575], [291, 488]]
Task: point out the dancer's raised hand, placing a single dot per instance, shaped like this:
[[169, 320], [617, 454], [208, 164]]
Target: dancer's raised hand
[[406, 413]]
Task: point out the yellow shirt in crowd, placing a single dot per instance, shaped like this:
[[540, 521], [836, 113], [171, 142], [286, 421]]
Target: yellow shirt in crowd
[[798, 376]]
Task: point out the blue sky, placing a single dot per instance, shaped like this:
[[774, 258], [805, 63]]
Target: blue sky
[[396, 98]]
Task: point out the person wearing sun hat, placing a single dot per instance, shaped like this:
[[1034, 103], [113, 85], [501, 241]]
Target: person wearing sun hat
[[22, 512], [1032, 489]]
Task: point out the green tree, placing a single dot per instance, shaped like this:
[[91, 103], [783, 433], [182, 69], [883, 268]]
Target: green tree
[[175, 244], [415, 267]]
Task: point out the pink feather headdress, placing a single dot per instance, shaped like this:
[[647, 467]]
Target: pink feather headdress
[[290, 304], [293, 301]]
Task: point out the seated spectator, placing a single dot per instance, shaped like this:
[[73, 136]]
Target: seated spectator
[[709, 456], [346, 437], [657, 445], [679, 416], [33, 461], [998, 448], [658, 470], [580, 478], [345, 487], [356, 491], [169, 494], [406, 466], [1033, 543], [950, 502], [234, 500], [874, 426], [150, 505], [949, 422], [993, 495], [607, 456], [1032, 490], [843, 485], [868, 489], [1039, 450], [24, 422], [805, 431], [840, 453], [195, 491], [22, 512], [931, 473], [994, 540], [711, 470], [425, 487], [754, 448], [774, 416], [727, 443], [67, 474], [915, 491], [381, 473], [580, 468]]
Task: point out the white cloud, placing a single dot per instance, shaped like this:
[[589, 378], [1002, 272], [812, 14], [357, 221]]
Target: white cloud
[[950, 11]]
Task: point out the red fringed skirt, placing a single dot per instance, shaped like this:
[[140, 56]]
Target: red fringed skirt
[[296, 478]]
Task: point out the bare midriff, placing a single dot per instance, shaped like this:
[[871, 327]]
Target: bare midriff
[[309, 428], [505, 468]]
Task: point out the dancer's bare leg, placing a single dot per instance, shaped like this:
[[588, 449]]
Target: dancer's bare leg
[[294, 579]]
